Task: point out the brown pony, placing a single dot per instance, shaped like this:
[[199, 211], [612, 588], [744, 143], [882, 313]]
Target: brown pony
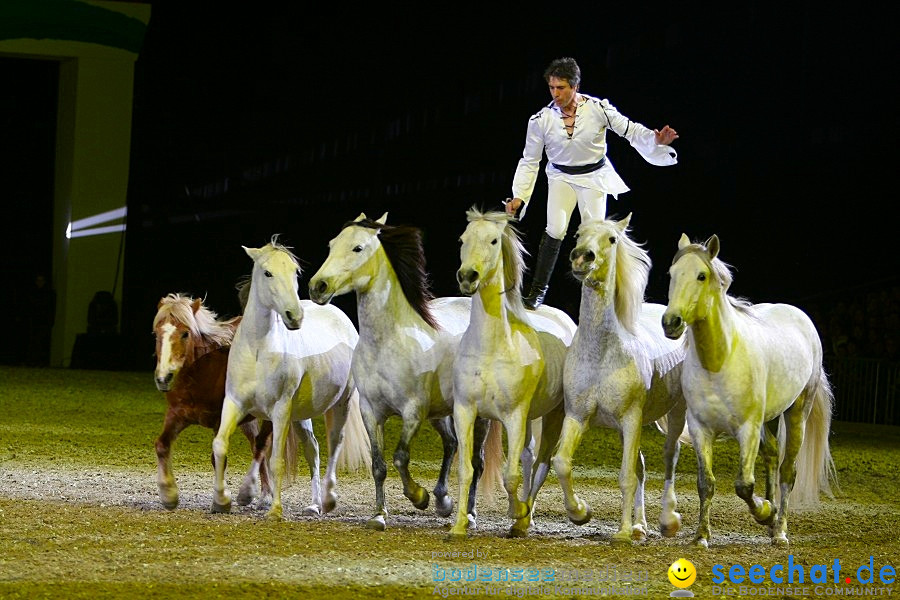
[[191, 359]]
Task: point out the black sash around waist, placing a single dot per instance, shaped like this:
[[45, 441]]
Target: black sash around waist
[[580, 169]]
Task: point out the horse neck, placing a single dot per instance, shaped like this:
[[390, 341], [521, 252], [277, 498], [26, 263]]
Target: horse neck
[[257, 320], [382, 305], [713, 337], [597, 312], [490, 315]]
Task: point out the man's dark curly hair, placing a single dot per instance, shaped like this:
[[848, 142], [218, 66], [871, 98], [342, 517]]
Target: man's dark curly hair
[[564, 68]]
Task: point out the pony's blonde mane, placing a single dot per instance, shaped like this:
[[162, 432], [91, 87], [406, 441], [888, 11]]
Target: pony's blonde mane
[[203, 324], [632, 273], [513, 252]]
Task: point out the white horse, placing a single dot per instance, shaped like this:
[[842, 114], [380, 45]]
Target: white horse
[[747, 366], [620, 372], [289, 361], [510, 363], [403, 362]]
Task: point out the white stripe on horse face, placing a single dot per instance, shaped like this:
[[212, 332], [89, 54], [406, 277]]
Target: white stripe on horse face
[[164, 361]]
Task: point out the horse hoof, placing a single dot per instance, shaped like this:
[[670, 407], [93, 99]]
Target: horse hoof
[[170, 503], [581, 519], [274, 515], [701, 542], [377, 523], [671, 528], [311, 511], [225, 507], [621, 539], [245, 498], [455, 534], [330, 504], [422, 504], [766, 514], [518, 532], [264, 502], [443, 506], [471, 521], [780, 540], [638, 533]]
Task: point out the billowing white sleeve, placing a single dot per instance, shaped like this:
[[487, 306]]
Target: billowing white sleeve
[[529, 164], [641, 139]]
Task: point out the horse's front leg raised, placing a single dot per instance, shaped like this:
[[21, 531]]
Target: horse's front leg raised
[[231, 415], [311, 451], [416, 494], [748, 441], [516, 433], [669, 518], [168, 489], [572, 430]]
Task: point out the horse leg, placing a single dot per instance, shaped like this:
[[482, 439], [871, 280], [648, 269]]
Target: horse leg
[[748, 440], [336, 416], [628, 480], [249, 489], [517, 429], [443, 503], [412, 490], [231, 415], [374, 425], [551, 424], [526, 457], [464, 425], [769, 449], [261, 449], [168, 489], [480, 434], [795, 424], [311, 451], [669, 518], [572, 430], [706, 481], [281, 424]]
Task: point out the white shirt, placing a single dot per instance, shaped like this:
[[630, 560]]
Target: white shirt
[[587, 145]]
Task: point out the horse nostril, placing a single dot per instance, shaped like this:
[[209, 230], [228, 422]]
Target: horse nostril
[[321, 286], [289, 315], [589, 256], [169, 377]]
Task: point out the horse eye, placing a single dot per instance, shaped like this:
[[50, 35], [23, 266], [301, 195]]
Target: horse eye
[[701, 277], [494, 242], [184, 335], [267, 274], [612, 240], [357, 249]]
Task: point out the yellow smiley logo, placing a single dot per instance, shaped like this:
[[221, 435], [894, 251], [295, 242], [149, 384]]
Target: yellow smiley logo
[[682, 573]]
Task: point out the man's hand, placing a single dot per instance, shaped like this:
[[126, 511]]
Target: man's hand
[[512, 205], [666, 136]]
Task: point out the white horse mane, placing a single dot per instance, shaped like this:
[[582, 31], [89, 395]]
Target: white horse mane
[[513, 252], [203, 324], [721, 272], [275, 246]]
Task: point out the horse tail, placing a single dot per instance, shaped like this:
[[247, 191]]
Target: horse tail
[[356, 452], [815, 468], [662, 424], [492, 477]]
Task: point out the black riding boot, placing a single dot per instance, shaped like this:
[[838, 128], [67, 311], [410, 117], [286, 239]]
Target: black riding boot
[[546, 260]]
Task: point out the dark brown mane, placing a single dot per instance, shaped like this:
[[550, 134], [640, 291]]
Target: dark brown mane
[[403, 246]]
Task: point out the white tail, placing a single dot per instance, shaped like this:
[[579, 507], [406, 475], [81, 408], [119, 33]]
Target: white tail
[[815, 467], [491, 482], [356, 452]]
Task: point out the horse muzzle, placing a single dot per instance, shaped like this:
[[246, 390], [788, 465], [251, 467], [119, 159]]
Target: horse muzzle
[[163, 382], [320, 292], [292, 320], [673, 325], [468, 281]]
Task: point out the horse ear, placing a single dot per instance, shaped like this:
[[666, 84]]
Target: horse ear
[[160, 303], [195, 305], [361, 217], [382, 220], [712, 246], [623, 224], [684, 242], [251, 252]]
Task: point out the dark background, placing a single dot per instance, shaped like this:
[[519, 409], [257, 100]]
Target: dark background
[[292, 121]]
